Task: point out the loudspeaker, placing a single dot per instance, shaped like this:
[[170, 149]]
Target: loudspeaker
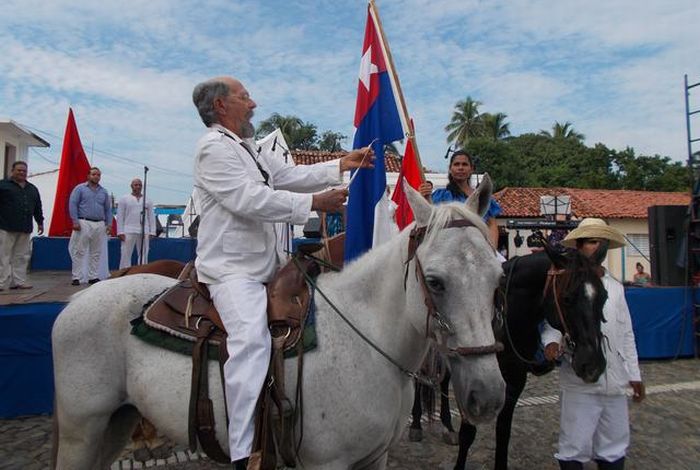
[[667, 244]]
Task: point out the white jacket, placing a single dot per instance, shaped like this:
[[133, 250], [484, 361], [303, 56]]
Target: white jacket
[[620, 349], [236, 237], [129, 216]]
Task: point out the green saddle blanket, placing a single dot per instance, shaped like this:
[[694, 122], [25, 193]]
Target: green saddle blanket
[[163, 340]]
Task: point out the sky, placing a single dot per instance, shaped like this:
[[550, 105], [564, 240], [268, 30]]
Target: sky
[[127, 68]]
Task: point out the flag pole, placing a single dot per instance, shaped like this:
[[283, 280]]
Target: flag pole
[[410, 134]]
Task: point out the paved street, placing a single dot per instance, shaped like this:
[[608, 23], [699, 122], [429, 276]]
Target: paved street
[[665, 432]]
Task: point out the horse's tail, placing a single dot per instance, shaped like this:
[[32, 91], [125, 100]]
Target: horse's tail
[[119, 273], [54, 435]]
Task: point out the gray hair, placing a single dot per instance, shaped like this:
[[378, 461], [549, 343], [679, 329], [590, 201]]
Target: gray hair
[[203, 97]]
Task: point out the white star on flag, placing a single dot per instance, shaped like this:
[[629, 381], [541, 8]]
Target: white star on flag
[[367, 68]]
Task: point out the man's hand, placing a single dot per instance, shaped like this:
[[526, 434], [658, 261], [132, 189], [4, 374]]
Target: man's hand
[[76, 227], [108, 230], [638, 391], [358, 158], [426, 189], [122, 237], [329, 201], [40, 229], [552, 351]]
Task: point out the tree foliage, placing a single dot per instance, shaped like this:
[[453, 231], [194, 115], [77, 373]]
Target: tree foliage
[[556, 158], [300, 135]]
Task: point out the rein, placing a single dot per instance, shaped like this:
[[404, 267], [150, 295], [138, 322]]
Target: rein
[[551, 282]]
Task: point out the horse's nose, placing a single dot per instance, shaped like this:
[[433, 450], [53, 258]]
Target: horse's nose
[[485, 399]]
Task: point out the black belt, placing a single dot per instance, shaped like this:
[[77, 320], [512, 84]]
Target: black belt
[[91, 220]]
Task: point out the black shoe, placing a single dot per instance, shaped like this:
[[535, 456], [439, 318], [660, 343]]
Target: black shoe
[[75, 282], [93, 281], [240, 464], [619, 464], [570, 465]]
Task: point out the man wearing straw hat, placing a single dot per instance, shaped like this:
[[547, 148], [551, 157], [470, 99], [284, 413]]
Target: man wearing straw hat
[[594, 416]]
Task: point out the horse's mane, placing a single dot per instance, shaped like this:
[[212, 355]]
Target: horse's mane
[[442, 214]]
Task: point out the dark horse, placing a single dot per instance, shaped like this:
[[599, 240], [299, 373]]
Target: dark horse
[[558, 287]]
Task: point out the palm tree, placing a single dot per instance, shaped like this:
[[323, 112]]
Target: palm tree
[[465, 123], [297, 133], [563, 131], [495, 126]]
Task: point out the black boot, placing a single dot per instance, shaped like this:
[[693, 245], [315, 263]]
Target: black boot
[[619, 464], [240, 464], [570, 465]]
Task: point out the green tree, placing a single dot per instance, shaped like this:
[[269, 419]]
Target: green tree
[[563, 131], [331, 141], [494, 126], [465, 123], [297, 133]]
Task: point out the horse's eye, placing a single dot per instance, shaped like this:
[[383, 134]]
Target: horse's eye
[[434, 284]]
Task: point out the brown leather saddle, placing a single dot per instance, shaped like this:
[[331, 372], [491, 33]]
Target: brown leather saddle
[[186, 311]]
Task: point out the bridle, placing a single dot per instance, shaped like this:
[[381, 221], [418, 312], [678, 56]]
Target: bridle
[[416, 238], [551, 284]]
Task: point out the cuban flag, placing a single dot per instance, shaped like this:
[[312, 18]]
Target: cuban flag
[[377, 122]]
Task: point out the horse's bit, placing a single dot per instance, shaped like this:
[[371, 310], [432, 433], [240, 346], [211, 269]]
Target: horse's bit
[[416, 238], [552, 275]]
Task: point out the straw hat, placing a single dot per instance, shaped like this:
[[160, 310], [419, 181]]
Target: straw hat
[[594, 228]]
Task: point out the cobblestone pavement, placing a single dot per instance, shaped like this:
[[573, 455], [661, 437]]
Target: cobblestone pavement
[[665, 432]]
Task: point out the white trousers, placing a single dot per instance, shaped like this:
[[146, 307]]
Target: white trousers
[[14, 258], [131, 241], [593, 426], [87, 242], [242, 304]]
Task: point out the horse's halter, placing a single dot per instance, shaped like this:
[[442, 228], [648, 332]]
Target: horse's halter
[[551, 283], [416, 238]]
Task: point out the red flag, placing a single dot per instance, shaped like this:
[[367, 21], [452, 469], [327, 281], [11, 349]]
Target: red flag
[[411, 173], [73, 170]]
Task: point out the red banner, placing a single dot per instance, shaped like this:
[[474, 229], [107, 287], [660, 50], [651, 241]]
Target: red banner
[[73, 170]]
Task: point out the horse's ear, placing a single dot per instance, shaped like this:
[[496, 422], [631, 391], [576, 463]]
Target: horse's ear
[[421, 208], [480, 199], [558, 258]]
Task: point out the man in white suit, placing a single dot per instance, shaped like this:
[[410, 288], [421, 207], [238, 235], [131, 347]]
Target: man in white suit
[[129, 219], [243, 193]]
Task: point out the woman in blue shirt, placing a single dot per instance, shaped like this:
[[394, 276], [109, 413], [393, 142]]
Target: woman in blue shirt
[[458, 189]]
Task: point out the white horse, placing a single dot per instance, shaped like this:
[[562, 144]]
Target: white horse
[[356, 401]]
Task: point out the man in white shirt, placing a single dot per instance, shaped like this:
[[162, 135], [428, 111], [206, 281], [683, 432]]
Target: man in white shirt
[[243, 192], [594, 420], [129, 229]]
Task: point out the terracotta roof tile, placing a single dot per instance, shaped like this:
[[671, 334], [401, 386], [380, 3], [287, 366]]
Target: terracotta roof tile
[[309, 157], [603, 203]]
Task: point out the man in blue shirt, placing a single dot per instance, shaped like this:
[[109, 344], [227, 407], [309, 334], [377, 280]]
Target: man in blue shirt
[[90, 208]]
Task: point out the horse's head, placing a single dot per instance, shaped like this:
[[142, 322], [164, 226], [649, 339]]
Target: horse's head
[[461, 273], [574, 299]]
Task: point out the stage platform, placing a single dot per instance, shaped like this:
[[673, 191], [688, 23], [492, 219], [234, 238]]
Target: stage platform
[[661, 317]]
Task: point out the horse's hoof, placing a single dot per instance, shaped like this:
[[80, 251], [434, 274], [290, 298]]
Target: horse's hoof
[[415, 435], [142, 454], [162, 451], [450, 438]]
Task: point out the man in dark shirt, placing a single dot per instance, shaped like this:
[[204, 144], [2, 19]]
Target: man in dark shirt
[[19, 202]]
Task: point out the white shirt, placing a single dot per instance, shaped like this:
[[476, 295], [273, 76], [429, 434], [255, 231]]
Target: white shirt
[[619, 348], [236, 237], [129, 216]]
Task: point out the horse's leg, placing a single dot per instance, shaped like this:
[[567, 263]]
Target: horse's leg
[[450, 436], [415, 433], [76, 448], [467, 434], [515, 376], [119, 430]]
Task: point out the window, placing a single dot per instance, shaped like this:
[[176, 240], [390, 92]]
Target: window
[[638, 242]]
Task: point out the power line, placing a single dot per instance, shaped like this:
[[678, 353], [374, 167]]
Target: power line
[[115, 156]]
